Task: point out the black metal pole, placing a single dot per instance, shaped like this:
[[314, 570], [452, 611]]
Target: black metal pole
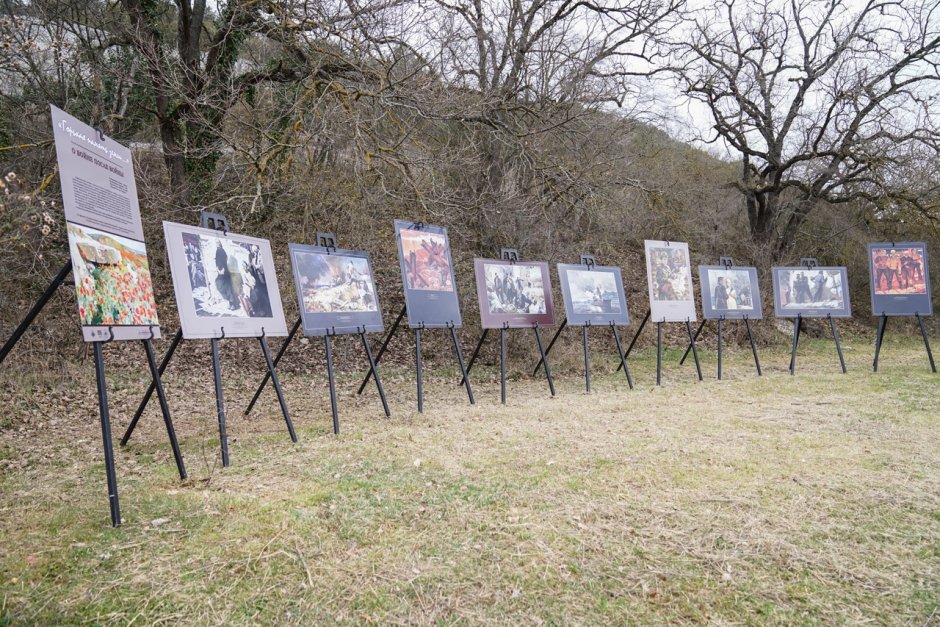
[[564, 323], [502, 365], [698, 365], [277, 360], [329, 374], [277, 387], [463, 369], [219, 400], [375, 370], [689, 349], [473, 355], [623, 359], [879, 337], [835, 336], [418, 371], [165, 408], [152, 387], [587, 359], [383, 348], [719, 347], [635, 337], [659, 353], [750, 336], [923, 333], [34, 311], [796, 340], [113, 501], [548, 368]]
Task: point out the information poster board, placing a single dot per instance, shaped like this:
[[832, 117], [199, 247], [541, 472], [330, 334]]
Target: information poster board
[[900, 279], [730, 293], [669, 277], [335, 290], [224, 283], [514, 294], [816, 292], [593, 295], [427, 273], [106, 239]]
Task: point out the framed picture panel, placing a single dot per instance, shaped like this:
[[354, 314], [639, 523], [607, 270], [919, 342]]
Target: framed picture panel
[[514, 294], [113, 286], [335, 290], [669, 276], [730, 293], [811, 292], [223, 281], [593, 295], [427, 273], [900, 279]]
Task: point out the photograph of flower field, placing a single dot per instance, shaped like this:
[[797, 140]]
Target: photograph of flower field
[[112, 279]]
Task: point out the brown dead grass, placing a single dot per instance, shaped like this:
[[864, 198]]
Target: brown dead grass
[[779, 499]]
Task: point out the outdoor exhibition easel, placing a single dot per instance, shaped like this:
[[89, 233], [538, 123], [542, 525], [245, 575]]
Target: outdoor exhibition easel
[[589, 261], [659, 346], [327, 241], [511, 255], [418, 369], [103, 409], [218, 222], [728, 263], [810, 262], [879, 338]]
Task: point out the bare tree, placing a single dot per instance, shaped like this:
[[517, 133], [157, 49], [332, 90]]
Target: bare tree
[[823, 101]]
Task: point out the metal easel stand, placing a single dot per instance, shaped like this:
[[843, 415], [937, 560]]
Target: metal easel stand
[[797, 325], [879, 340], [659, 347], [113, 501], [750, 337], [502, 359], [34, 311]]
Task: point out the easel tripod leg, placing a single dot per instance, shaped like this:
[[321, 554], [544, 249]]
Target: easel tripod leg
[[463, 369], [548, 369], [219, 400], [502, 365], [636, 336], [879, 338], [561, 327], [277, 388], [750, 337], [177, 338], [796, 340], [473, 355], [165, 408], [587, 359], [659, 353], [329, 374], [34, 311], [375, 370], [113, 501], [277, 360], [835, 336], [418, 371], [719, 347], [383, 348], [623, 358], [923, 333], [698, 364], [688, 350]]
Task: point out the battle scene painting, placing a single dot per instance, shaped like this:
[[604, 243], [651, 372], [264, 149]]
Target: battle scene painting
[[898, 271], [810, 288], [426, 261], [593, 291], [332, 283], [514, 289]]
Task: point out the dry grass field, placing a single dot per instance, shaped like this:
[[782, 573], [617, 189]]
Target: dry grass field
[[806, 499]]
